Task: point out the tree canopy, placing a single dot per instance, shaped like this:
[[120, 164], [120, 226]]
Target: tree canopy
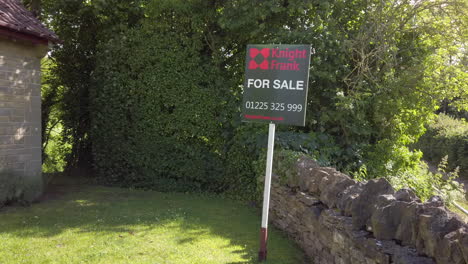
[[150, 90]]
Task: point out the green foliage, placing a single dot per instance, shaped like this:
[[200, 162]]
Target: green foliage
[[152, 97], [421, 179], [371, 90], [164, 117], [447, 186], [55, 148], [446, 136], [323, 148], [361, 174], [81, 26], [285, 166], [426, 183], [244, 161], [447, 126], [284, 169]]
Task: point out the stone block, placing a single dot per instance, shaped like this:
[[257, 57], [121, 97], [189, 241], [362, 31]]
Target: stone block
[[362, 207], [33, 111], [356, 254], [307, 199], [317, 174], [450, 248], [339, 260], [16, 166], [407, 230], [12, 152], [33, 89], [10, 140], [348, 197], [434, 227], [17, 119], [328, 236], [332, 188], [32, 141], [370, 261], [12, 98], [18, 112], [6, 111], [35, 77], [304, 168], [462, 238], [8, 130], [406, 195], [11, 147], [386, 217], [339, 239], [13, 91]]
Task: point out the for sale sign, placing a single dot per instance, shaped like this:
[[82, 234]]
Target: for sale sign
[[276, 82]]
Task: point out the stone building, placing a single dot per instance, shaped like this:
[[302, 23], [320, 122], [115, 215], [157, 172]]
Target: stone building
[[24, 42]]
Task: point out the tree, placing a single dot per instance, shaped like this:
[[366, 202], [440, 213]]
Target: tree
[[379, 70], [81, 26], [34, 6]]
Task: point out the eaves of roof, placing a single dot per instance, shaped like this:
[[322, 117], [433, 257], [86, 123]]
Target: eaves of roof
[[17, 22]]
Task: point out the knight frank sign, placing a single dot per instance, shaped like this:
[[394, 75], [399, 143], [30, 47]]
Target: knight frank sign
[[276, 82]]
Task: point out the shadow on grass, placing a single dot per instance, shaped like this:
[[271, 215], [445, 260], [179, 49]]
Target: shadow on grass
[[125, 213]]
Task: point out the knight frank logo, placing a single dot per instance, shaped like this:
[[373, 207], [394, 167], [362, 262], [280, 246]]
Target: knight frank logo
[[262, 54], [265, 59]]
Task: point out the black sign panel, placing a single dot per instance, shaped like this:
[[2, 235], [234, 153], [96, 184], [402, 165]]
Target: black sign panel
[[276, 82]]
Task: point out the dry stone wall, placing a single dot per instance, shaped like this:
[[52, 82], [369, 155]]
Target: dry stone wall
[[338, 220]]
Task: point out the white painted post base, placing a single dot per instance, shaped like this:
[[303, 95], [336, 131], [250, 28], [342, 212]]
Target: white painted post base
[[262, 253]]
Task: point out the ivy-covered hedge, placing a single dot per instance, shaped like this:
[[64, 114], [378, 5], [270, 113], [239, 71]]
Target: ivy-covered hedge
[[158, 112]]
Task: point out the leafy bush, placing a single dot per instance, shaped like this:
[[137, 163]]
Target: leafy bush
[[157, 120], [55, 151], [426, 183], [152, 96], [284, 169], [55, 147], [81, 26], [446, 136], [243, 156]]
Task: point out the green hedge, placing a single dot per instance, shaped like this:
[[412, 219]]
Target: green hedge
[[446, 137], [161, 97], [157, 120]]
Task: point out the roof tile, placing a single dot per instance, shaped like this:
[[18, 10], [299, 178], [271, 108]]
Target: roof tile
[[15, 17]]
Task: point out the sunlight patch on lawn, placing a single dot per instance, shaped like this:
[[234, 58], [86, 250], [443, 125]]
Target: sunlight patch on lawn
[[111, 225]]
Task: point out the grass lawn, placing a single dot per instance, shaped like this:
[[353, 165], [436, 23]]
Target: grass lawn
[[96, 224], [464, 204]]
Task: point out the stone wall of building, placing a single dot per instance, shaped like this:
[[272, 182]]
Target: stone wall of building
[[20, 115], [338, 220]]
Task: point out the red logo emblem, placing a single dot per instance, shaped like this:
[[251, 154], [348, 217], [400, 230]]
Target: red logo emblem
[[265, 53]]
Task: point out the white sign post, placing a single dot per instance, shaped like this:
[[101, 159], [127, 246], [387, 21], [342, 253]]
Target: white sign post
[[262, 253], [275, 92]]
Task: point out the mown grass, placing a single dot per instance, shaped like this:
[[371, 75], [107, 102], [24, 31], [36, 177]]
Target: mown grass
[[462, 203], [113, 225]]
